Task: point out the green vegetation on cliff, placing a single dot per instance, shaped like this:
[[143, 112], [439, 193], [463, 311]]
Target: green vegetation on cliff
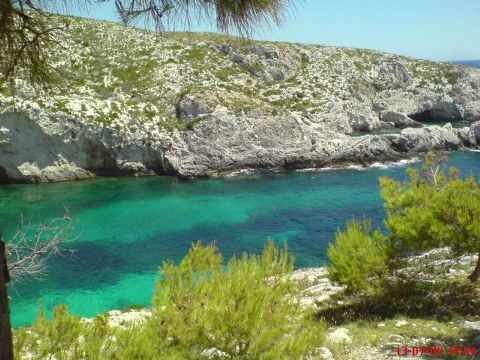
[[138, 81]]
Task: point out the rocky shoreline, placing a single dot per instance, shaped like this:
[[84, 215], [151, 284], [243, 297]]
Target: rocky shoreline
[[37, 147]]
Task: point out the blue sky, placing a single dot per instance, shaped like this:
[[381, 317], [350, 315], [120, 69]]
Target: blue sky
[[426, 29]]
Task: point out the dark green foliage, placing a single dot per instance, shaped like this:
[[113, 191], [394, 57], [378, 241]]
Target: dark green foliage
[[431, 210], [24, 37], [359, 257], [434, 209]]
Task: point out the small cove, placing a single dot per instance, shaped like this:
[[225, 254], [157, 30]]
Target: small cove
[[126, 227]]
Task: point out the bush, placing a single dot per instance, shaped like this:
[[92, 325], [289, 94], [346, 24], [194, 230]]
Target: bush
[[359, 258], [247, 310], [434, 209]]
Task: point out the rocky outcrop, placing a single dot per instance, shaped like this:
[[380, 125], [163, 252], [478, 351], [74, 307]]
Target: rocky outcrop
[[474, 132], [428, 138], [37, 147], [398, 120], [392, 73], [440, 111], [467, 90], [264, 61]]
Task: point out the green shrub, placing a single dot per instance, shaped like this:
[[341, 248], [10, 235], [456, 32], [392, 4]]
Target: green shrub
[[359, 258], [58, 337], [246, 310], [433, 210]]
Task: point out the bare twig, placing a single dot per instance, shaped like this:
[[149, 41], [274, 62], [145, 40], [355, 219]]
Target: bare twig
[[32, 246]]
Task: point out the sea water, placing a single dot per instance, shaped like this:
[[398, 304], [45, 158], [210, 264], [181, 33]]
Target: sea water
[[125, 227]]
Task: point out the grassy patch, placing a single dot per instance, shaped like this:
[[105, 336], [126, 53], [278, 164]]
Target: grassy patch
[[304, 61], [361, 66], [253, 68], [195, 54], [225, 73], [366, 332], [271, 92]]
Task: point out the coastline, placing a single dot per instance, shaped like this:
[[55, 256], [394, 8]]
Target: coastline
[[109, 154]]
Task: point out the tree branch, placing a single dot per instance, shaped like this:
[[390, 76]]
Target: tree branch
[[31, 247]]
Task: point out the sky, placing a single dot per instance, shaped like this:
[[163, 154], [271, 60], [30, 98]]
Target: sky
[[441, 30]]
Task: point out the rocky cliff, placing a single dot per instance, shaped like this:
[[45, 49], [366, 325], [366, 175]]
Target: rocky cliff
[[194, 105]]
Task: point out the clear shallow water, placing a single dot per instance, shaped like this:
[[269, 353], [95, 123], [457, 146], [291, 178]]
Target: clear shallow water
[[127, 227]]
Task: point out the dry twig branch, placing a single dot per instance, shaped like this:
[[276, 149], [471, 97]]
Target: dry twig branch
[[32, 246]]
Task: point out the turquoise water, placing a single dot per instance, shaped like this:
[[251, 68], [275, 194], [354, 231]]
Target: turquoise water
[[127, 227]]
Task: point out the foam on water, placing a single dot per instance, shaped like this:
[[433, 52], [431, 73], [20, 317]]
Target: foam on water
[[375, 165]]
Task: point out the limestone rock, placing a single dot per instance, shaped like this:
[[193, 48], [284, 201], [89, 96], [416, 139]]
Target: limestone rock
[[318, 288], [340, 335], [321, 353], [266, 52], [265, 62], [326, 354], [475, 130], [190, 107], [440, 111], [467, 135], [447, 111], [397, 119], [247, 105], [467, 90], [427, 138], [393, 72], [38, 147], [472, 325], [125, 319]]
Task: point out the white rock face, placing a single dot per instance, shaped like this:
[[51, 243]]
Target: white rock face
[[427, 138], [321, 353], [36, 147], [475, 130], [125, 319], [398, 120], [318, 287]]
